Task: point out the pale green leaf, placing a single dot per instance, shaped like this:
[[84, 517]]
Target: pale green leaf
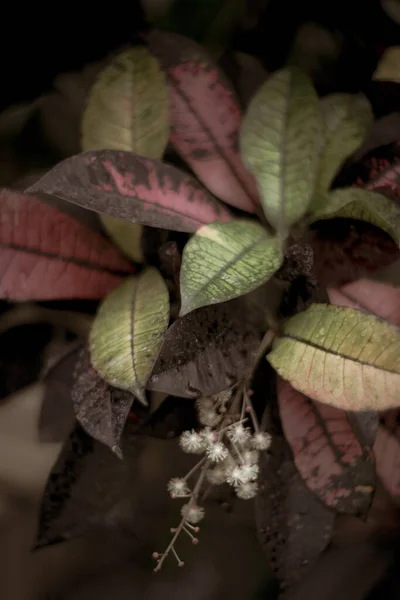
[[347, 119], [225, 260], [126, 235], [357, 203], [128, 107], [280, 143], [128, 331], [341, 356]]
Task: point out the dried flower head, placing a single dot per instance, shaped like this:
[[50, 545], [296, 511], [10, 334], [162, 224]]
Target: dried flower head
[[250, 456], [247, 490], [209, 436], [207, 413], [261, 440], [217, 452], [249, 472], [192, 442], [235, 476], [239, 434], [178, 487], [192, 513], [217, 475]]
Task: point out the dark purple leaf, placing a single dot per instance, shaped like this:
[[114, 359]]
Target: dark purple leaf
[[100, 408], [57, 417], [124, 185], [84, 485], [293, 525], [206, 351]]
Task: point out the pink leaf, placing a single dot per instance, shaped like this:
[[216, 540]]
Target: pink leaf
[[205, 119], [387, 456], [372, 296], [45, 254], [127, 186], [333, 462]]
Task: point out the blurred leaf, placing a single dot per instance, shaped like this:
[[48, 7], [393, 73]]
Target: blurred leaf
[[57, 418], [341, 356], [205, 118], [85, 484], [392, 8], [225, 260], [128, 106], [389, 275], [347, 119], [332, 459], [99, 408], [127, 186], [280, 141], [388, 68], [128, 332], [127, 236], [387, 454], [53, 256], [293, 525], [357, 203], [206, 351], [372, 296]]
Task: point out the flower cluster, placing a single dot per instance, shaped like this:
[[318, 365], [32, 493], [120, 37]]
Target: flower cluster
[[231, 451]]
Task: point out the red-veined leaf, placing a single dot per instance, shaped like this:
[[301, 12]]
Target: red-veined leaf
[[205, 118], [127, 186], [333, 461], [387, 457], [45, 254], [381, 299]]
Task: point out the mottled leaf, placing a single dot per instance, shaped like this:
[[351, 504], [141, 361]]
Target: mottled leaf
[[357, 203], [387, 456], [372, 296], [128, 331], [126, 186], [126, 235], [128, 106], [225, 260], [341, 356], [293, 525], [334, 463], [347, 119], [46, 255], [57, 418], [84, 486], [205, 118], [280, 142], [206, 351], [99, 408]]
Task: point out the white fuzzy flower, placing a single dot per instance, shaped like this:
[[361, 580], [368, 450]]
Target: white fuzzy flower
[[249, 472], [178, 487], [207, 413], [191, 442], [204, 403], [250, 456], [209, 436], [235, 476], [217, 452], [217, 475], [247, 490], [261, 440], [192, 513], [239, 434]]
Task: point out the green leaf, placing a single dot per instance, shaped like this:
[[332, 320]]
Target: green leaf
[[128, 331], [280, 144], [128, 107], [126, 235], [341, 356], [357, 203], [347, 119], [225, 260]]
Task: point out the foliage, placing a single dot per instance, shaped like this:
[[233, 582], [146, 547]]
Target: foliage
[[247, 286]]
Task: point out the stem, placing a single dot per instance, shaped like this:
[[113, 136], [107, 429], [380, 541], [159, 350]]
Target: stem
[[196, 466]]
